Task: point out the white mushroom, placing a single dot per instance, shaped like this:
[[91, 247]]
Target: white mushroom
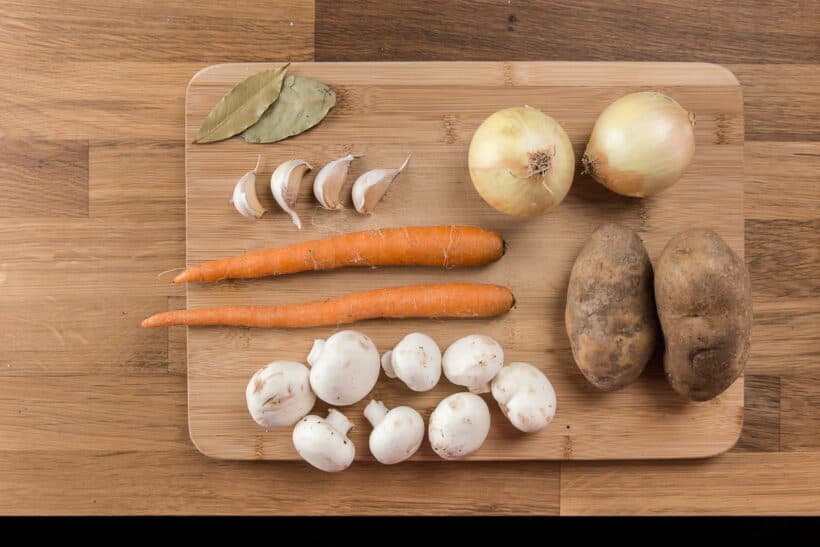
[[344, 368], [472, 362], [459, 425], [279, 394], [323, 442], [416, 361], [396, 435], [525, 395]]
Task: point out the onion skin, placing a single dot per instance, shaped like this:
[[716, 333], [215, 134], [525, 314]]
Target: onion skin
[[521, 161], [641, 144]]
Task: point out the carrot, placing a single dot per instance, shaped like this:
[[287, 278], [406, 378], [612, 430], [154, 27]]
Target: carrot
[[446, 246], [428, 301]]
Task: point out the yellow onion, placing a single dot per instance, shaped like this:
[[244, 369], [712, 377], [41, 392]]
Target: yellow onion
[[521, 161], [641, 144]]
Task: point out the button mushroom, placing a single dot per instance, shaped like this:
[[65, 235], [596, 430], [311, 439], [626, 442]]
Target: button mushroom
[[279, 394], [525, 395], [344, 368], [396, 435], [416, 361], [323, 442], [472, 362], [459, 425]]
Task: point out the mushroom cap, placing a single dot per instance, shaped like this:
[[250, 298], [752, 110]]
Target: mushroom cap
[[398, 436], [459, 425], [416, 360], [321, 445], [526, 397], [279, 394], [473, 361], [345, 369]]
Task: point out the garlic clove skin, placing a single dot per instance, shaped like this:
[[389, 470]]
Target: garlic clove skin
[[327, 186], [371, 186], [525, 396], [284, 185], [244, 194]]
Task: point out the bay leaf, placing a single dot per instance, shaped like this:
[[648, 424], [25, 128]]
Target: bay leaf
[[302, 104], [242, 106]]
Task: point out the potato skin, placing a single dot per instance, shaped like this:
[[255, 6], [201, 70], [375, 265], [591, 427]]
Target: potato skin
[[610, 314], [704, 301]]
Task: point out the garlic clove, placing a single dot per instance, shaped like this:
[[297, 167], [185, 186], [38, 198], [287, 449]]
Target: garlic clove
[[329, 181], [371, 186], [244, 194], [284, 185]]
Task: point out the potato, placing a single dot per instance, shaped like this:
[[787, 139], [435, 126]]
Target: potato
[[610, 314], [704, 303]]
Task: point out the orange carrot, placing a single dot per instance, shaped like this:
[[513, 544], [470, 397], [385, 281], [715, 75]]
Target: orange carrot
[[428, 301], [446, 246]]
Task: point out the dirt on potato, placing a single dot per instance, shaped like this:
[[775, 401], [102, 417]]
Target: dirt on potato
[[704, 301], [610, 314]]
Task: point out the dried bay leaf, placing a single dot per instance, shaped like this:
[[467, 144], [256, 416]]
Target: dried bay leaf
[[302, 104], [242, 106]]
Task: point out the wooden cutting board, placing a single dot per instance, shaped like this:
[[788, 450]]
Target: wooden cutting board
[[388, 110]]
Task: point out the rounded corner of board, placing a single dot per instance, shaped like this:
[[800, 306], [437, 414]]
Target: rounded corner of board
[[724, 72], [202, 448]]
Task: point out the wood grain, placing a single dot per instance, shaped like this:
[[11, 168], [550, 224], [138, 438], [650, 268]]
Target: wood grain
[[735, 483], [43, 178], [632, 30], [114, 75], [435, 189], [181, 481], [761, 415]]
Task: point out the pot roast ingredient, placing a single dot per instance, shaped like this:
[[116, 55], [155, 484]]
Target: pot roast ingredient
[[526, 397], [521, 161], [343, 368], [397, 433], [327, 186], [445, 246], [323, 442], [703, 294], [244, 194], [416, 361], [279, 394], [459, 425], [372, 185], [302, 104], [641, 144], [284, 185], [472, 362], [610, 313], [242, 106], [462, 300]]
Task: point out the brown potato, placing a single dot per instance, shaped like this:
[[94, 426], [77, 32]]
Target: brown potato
[[610, 314], [704, 303]]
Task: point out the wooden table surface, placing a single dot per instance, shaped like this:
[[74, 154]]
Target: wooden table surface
[[93, 408]]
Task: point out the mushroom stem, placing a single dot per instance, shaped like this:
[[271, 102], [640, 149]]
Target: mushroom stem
[[387, 364], [480, 388], [315, 352], [375, 412], [338, 421]]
